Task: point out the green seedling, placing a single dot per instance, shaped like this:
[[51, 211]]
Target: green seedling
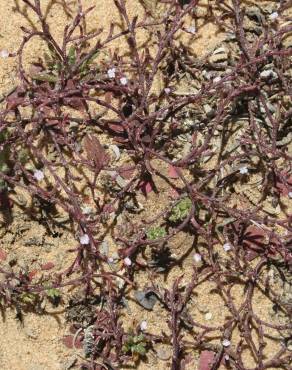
[[156, 232], [136, 345], [181, 210]]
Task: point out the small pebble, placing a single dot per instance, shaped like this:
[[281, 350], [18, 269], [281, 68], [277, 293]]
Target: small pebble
[[217, 79], [143, 325], [208, 316], [4, 54], [192, 30], [273, 16], [226, 343]]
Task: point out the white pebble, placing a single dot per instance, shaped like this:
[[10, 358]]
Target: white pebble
[[197, 258], [167, 90], [192, 30], [227, 247], [290, 194], [116, 151], [39, 175], [208, 316], [143, 325], [273, 16], [217, 79], [84, 239], [127, 261], [123, 81], [226, 357], [111, 73], [4, 54], [226, 343]]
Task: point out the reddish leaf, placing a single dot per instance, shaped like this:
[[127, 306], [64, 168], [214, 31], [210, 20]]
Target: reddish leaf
[[95, 152], [15, 99], [75, 101], [117, 128], [3, 255], [47, 266], [172, 173], [126, 172], [32, 274], [284, 189], [146, 187], [206, 360]]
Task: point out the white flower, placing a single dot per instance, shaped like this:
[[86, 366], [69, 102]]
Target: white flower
[[243, 170], [227, 247], [290, 194], [191, 29], [226, 343], [4, 54], [127, 261], [39, 175], [84, 239], [124, 81], [217, 79], [143, 325], [167, 90], [111, 73], [197, 258], [273, 16]]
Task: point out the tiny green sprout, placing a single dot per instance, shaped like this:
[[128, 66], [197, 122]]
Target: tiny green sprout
[[181, 210], [156, 232], [136, 345], [53, 293], [28, 298], [72, 55]]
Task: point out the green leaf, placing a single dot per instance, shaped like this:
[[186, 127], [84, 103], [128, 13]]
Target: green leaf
[[28, 298], [181, 210], [53, 293], [72, 55], [139, 348], [44, 77]]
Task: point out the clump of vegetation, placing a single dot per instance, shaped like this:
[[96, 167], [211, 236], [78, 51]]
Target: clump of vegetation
[[181, 210], [136, 345], [156, 232]]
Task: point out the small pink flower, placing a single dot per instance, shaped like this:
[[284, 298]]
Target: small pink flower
[[38, 175], [84, 239], [227, 247], [111, 73], [127, 261], [124, 81]]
